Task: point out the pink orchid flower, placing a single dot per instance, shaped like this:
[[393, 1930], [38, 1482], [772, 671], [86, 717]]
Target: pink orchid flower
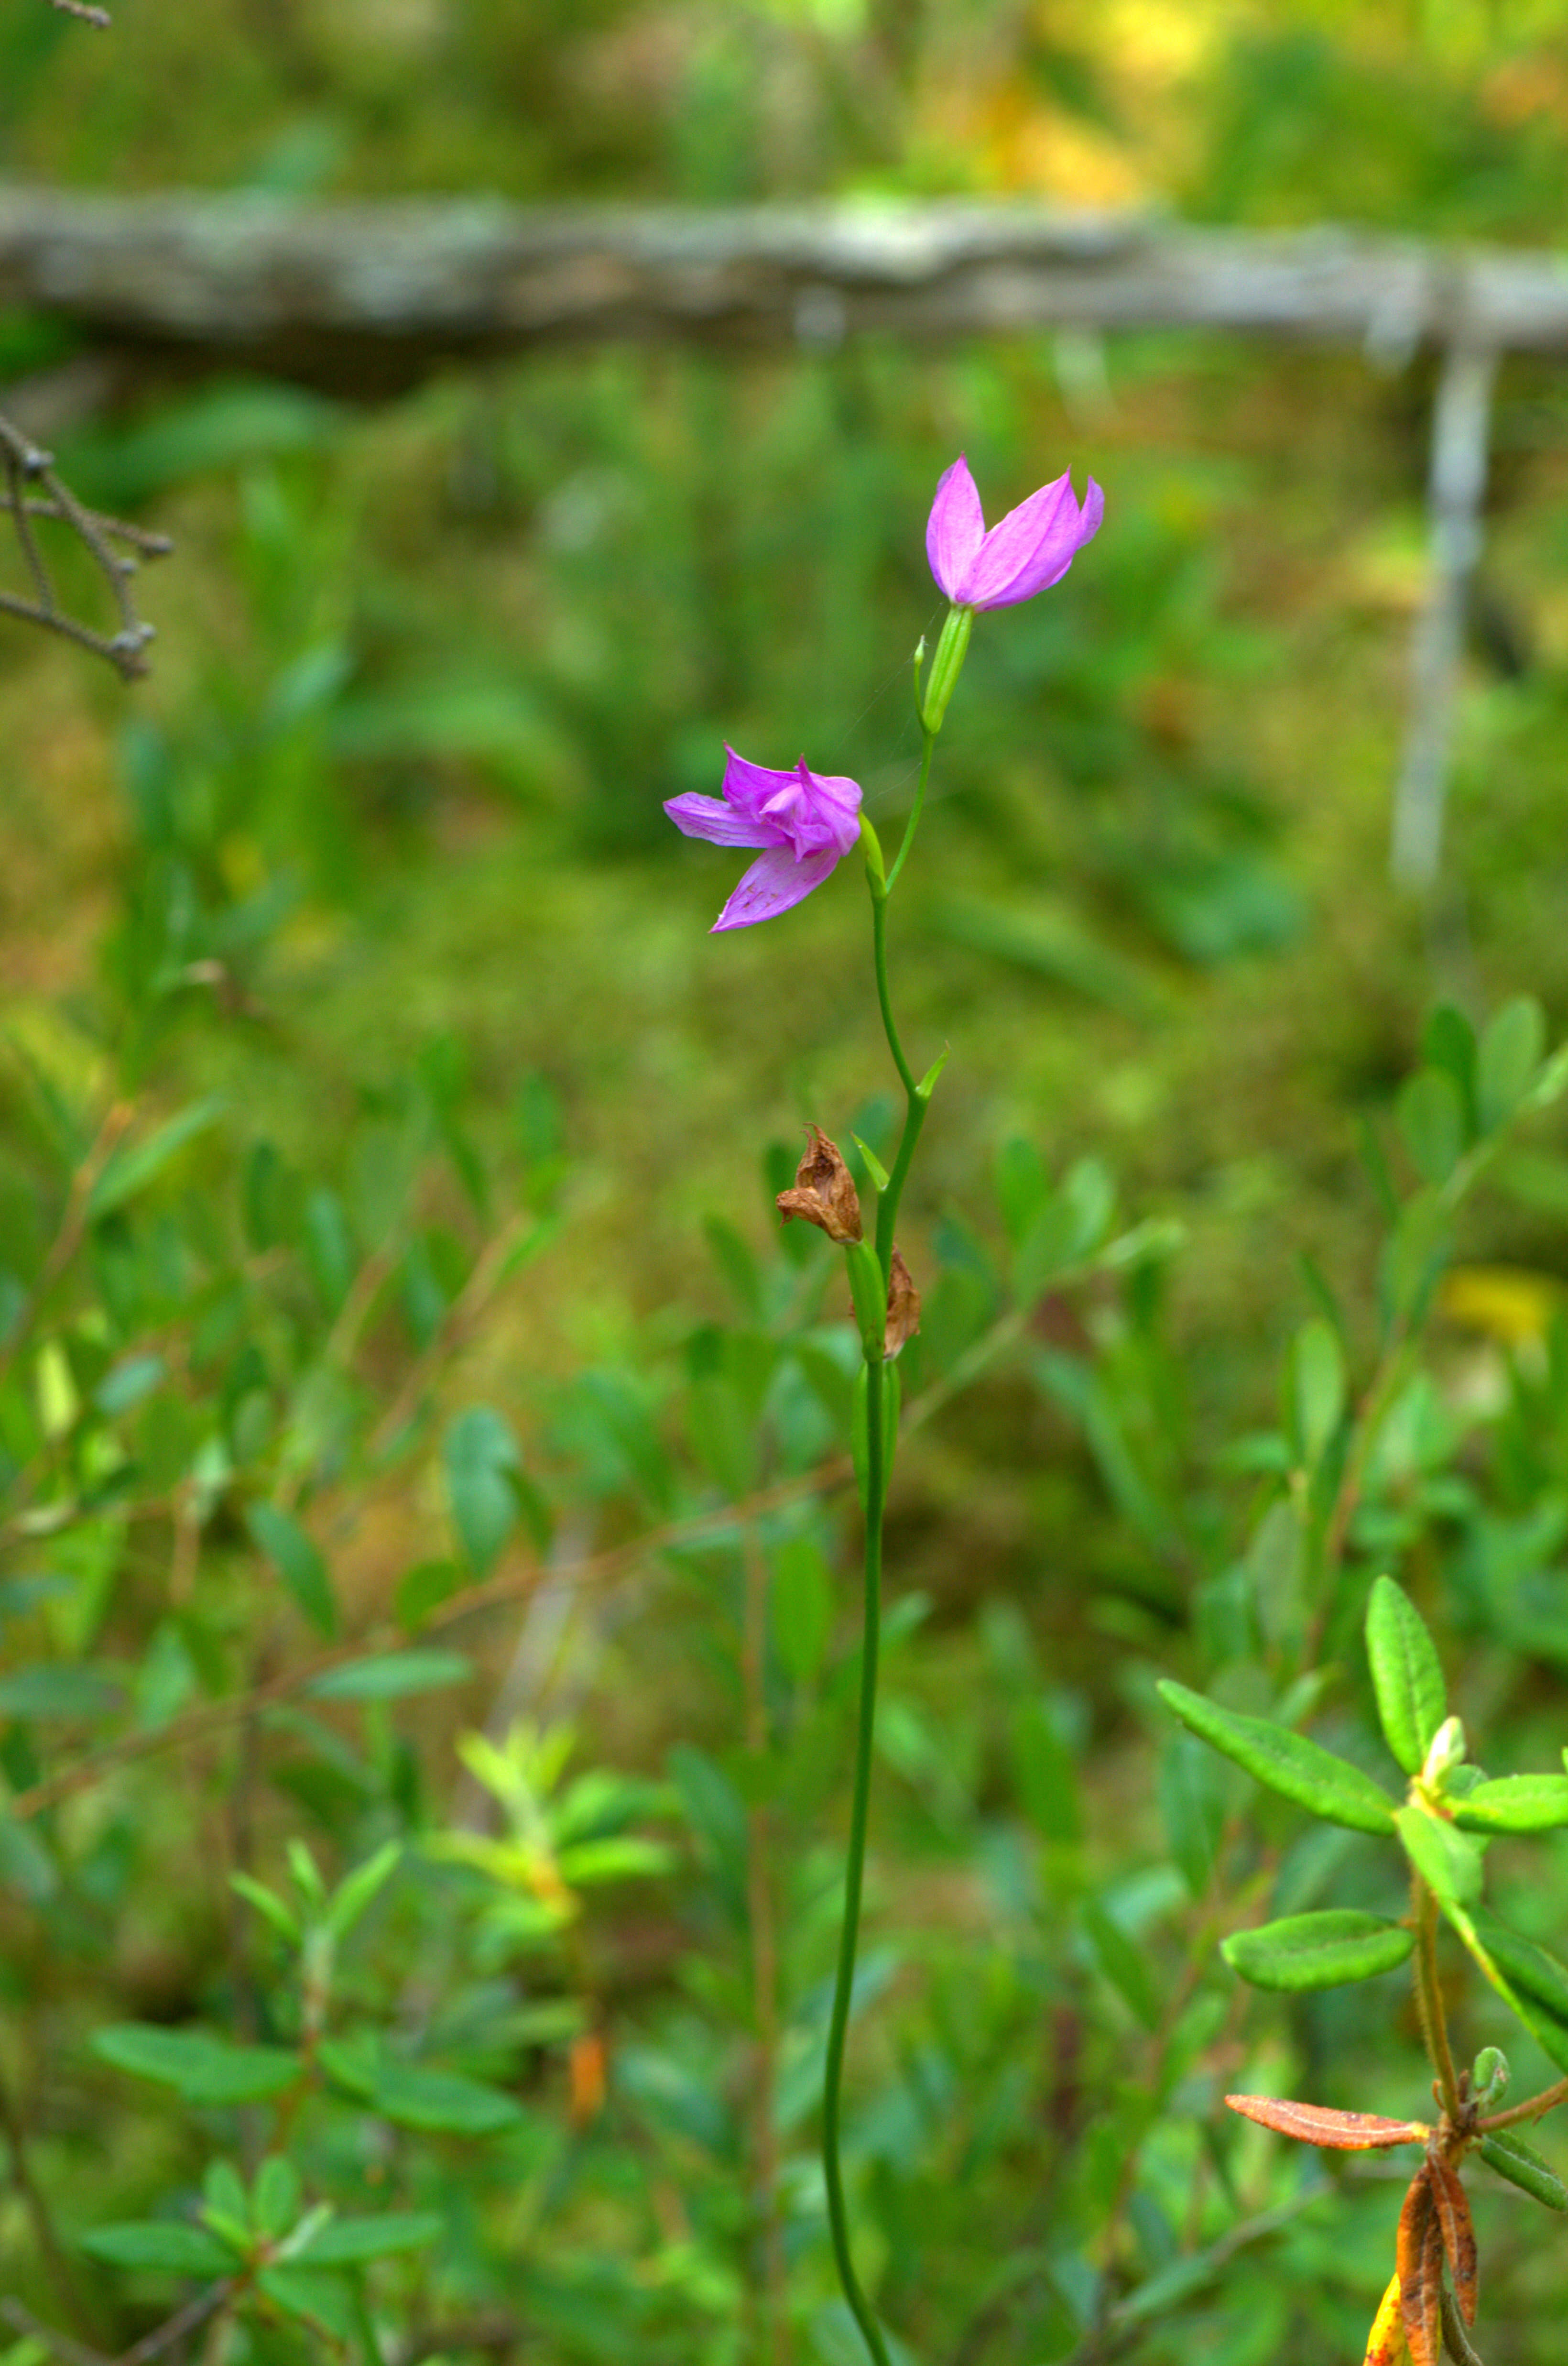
[[803, 821], [1033, 548]]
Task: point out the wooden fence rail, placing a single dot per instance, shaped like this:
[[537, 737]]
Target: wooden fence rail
[[365, 299]]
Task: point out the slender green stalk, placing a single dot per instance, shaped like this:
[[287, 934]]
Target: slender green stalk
[[917, 1098], [855, 1865], [913, 824]]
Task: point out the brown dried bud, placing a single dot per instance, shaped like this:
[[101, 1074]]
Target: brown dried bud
[[903, 1306], [824, 1192]]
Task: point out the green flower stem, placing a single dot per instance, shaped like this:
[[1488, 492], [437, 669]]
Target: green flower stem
[[918, 1097], [928, 737], [855, 1865]]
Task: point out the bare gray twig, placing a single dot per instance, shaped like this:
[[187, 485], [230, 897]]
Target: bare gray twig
[[31, 493]]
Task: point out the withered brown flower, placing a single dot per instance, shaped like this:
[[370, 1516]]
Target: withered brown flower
[[824, 1192]]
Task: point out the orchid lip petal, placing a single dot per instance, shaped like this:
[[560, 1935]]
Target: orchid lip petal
[[721, 824], [775, 881]]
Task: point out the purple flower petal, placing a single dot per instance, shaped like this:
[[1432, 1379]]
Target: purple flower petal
[[774, 882], [710, 817], [1030, 547], [751, 787], [954, 530]]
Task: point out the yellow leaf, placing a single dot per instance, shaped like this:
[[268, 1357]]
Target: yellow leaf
[[1387, 2345]]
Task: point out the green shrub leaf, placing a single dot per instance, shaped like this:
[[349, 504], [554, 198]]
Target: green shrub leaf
[[1511, 2158], [1509, 1055], [296, 1562], [1407, 1674], [203, 2068], [346, 2241], [1445, 1859], [1326, 1786], [164, 2244], [1514, 1803], [1317, 1951]]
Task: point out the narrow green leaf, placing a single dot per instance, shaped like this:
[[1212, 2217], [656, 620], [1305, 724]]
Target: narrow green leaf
[[1446, 1859], [481, 1458], [131, 1169], [1407, 1674], [436, 2100], [296, 1562], [1317, 1951], [1522, 2166], [800, 1600], [201, 2067], [1126, 1969], [1526, 1966], [1316, 1388], [347, 2241], [617, 1856], [55, 1688], [312, 2296], [1044, 1777], [278, 2194], [874, 1166], [354, 1893], [1514, 1803], [390, 1675], [1549, 2033], [1431, 1119], [166, 2245], [1328, 1786], [1507, 1060]]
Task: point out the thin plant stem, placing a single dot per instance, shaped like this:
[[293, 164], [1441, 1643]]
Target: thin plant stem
[[879, 954], [764, 1971], [853, 1869], [1534, 2107], [912, 824], [876, 1442], [1429, 1995], [51, 2250]]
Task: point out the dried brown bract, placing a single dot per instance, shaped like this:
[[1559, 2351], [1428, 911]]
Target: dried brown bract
[[824, 1192], [903, 1306]]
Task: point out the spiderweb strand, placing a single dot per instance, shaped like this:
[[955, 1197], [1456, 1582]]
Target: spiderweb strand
[[84, 10], [31, 494]]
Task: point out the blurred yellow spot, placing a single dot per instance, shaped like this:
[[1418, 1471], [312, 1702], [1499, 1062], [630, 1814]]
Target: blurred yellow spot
[[1504, 1301]]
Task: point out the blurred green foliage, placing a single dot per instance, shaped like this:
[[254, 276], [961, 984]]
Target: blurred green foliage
[[380, 1222]]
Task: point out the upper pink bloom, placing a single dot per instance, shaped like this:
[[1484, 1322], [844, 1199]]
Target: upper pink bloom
[[1033, 546], [805, 821]]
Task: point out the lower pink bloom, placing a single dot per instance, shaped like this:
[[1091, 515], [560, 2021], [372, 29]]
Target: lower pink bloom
[[803, 821]]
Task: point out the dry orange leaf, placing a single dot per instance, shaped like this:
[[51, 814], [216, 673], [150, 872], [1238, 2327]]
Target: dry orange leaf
[[1419, 2253], [1459, 2234], [1312, 2124]]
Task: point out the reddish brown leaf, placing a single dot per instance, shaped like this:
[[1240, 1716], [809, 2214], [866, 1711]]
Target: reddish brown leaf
[[1312, 2124], [1459, 2234], [1418, 2254]]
